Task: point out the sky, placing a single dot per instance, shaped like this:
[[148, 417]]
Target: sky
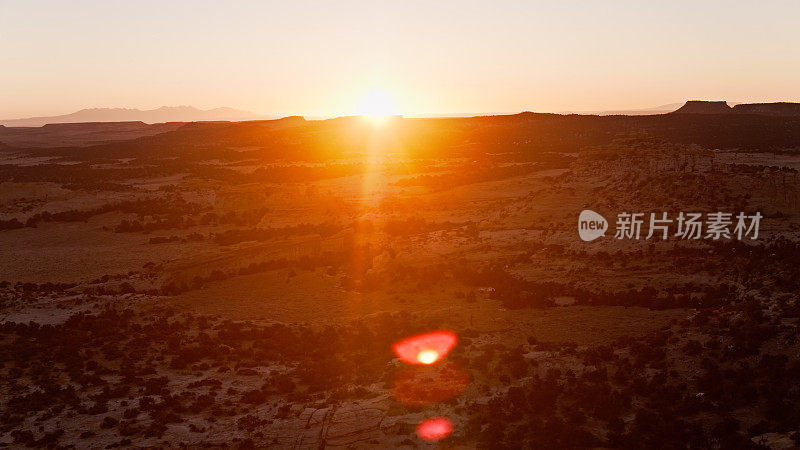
[[322, 58]]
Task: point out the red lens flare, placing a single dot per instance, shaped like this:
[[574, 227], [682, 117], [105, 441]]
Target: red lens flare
[[425, 348], [435, 429]]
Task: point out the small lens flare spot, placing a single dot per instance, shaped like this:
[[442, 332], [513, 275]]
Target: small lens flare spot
[[428, 356], [425, 348], [435, 429]]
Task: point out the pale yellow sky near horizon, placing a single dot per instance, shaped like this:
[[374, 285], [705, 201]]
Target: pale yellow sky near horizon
[[322, 58]]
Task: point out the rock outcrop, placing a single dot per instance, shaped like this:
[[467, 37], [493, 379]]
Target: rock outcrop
[[704, 107]]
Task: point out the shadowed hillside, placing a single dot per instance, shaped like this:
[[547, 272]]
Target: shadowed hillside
[[520, 134]]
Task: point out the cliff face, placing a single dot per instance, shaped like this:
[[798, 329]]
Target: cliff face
[[764, 109], [704, 107], [770, 109]]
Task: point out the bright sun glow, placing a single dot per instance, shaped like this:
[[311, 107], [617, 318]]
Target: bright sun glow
[[428, 356], [378, 105]]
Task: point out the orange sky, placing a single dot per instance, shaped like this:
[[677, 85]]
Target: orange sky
[[321, 58]]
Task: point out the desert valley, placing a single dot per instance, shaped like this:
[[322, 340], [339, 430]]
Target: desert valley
[[243, 283]]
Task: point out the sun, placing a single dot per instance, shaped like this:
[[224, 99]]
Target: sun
[[377, 105]]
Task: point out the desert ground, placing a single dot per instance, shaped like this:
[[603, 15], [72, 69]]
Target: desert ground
[[242, 284]]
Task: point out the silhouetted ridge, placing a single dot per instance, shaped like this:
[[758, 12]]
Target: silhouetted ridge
[[763, 109], [771, 109], [98, 126]]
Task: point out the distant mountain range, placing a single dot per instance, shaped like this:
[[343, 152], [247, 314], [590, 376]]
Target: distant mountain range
[[167, 114], [159, 115]]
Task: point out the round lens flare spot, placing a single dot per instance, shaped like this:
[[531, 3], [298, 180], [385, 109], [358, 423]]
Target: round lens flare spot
[[435, 429], [428, 356], [425, 348]]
